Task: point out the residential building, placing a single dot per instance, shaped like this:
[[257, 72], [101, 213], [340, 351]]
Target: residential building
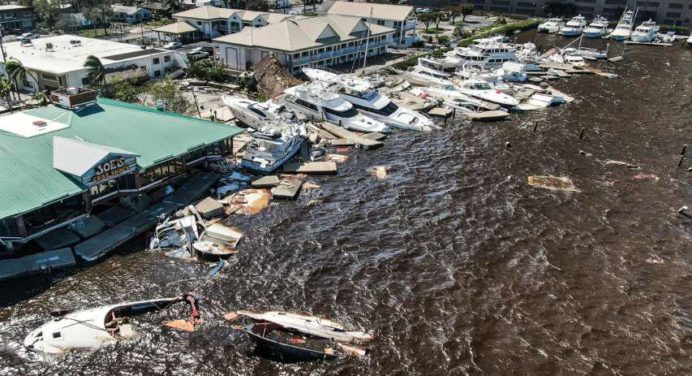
[[213, 22], [58, 61], [401, 18], [16, 19], [669, 12], [306, 42], [131, 15], [82, 155]]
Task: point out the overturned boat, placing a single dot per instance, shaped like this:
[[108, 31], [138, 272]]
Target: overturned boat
[[95, 327]]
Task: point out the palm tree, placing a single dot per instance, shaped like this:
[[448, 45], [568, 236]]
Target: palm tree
[[96, 73], [5, 90], [16, 72]]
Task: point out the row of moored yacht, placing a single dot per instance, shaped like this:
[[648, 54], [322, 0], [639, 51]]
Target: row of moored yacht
[[598, 28]]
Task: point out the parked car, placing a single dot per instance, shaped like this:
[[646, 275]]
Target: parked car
[[200, 52], [28, 36], [172, 45]]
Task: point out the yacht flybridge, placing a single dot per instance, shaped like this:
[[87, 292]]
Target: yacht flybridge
[[597, 28], [313, 100], [646, 32], [574, 27], [623, 30], [371, 102], [551, 26]]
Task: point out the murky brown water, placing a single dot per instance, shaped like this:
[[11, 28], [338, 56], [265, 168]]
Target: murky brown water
[[457, 264]]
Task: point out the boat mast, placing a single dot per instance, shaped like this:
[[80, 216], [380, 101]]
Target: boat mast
[[369, 33]]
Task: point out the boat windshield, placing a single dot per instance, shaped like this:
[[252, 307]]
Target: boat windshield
[[387, 110], [348, 113], [479, 86]]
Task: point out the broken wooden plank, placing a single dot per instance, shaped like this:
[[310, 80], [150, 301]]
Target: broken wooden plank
[[342, 142], [266, 182], [441, 112], [312, 168], [376, 136], [288, 189], [320, 132], [348, 135]]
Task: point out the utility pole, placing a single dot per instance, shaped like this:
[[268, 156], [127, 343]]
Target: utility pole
[[365, 59]]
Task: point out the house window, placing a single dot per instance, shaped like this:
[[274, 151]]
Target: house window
[[157, 73], [166, 59], [49, 77], [156, 60]]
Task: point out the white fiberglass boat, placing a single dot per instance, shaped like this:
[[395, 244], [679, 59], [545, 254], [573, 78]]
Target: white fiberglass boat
[[551, 26], [623, 30], [485, 55], [597, 28], [423, 74], [371, 102], [270, 148], [689, 41], [483, 91], [92, 328], [646, 32], [253, 114], [513, 72], [574, 26], [313, 100]]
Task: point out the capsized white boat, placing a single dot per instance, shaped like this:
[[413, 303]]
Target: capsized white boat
[[307, 324], [95, 327]]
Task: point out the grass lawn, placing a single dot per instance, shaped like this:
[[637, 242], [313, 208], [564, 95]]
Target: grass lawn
[[434, 30], [91, 33], [459, 23]]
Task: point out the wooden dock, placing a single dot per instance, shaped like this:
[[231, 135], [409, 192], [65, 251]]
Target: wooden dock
[[288, 188], [36, 263], [659, 44], [99, 245], [311, 168], [350, 136]]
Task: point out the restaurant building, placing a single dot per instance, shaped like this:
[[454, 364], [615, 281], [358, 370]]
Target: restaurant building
[[80, 155]]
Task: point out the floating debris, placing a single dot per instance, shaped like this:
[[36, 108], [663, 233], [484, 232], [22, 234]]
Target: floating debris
[[249, 201], [379, 172], [615, 163], [553, 183], [646, 177]]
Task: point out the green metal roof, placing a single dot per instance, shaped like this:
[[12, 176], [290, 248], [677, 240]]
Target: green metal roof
[[28, 179]]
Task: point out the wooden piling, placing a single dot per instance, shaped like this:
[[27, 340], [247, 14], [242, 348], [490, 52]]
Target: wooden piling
[[581, 134]]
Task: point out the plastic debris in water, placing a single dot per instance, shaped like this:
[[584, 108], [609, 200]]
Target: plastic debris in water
[[379, 172], [556, 183]]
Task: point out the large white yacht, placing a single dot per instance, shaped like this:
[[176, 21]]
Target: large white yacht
[[487, 55], [254, 114], [551, 26], [646, 32], [313, 100], [370, 101], [597, 28], [623, 30], [482, 90], [574, 26]]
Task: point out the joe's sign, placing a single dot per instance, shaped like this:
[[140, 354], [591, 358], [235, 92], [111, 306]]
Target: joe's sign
[[110, 168]]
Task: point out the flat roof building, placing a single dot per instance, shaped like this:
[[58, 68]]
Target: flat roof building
[[401, 18], [305, 42], [58, 61], [74, 156]]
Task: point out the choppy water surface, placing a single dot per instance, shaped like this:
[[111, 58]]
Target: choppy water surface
[[457, 264]]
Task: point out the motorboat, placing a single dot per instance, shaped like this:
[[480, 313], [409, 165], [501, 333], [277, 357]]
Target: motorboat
[[574, 60], [647, 32], [424, 74], [551, 26], [270, 148], [513, 72], [543, 100], [255, 114], [371, 102], [573, 27], [689, 41], [95, 327], [491, 40], [299, 337], [483, 91], [597, 28], [586, 53], [314, 101], [486, 55], [623, 30], [175, 236]]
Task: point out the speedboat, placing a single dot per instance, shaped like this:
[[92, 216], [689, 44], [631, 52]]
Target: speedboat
[[270, 148], [255, 114], [646, 32], [422, 74], [551, 26], [314, 101], [95, 327], [597, 28], [483, 91], [574, 26], [623, 30], [371, 102]]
